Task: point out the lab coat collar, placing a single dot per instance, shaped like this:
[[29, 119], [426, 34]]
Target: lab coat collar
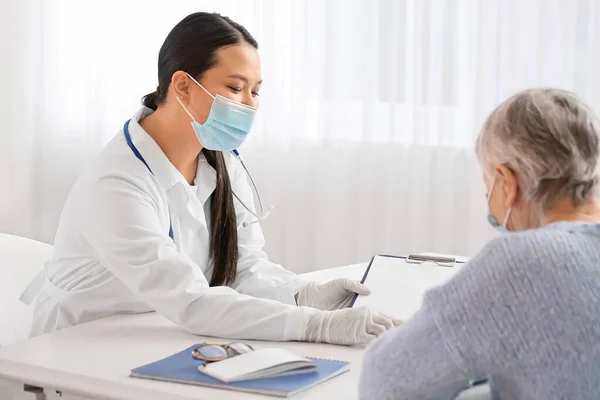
[[206, 179], [164, 171]]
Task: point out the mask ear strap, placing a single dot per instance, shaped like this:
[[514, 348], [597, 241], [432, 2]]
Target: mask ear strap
[[489, 195], [506, 217], [507, 211], [186, 110], [197, 83]]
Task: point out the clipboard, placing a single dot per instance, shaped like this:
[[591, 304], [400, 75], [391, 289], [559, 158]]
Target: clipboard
[[403, 280]]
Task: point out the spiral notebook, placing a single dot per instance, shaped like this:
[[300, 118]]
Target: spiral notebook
[[183, 368]]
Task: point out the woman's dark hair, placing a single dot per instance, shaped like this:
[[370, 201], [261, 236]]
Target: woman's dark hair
[[191, 47]]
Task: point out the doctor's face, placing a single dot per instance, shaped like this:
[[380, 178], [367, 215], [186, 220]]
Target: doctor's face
[[236, 75]]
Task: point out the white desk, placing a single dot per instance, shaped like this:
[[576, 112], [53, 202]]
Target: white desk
[[92, 361]]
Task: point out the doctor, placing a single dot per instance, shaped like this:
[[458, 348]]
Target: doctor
[[163, 220]]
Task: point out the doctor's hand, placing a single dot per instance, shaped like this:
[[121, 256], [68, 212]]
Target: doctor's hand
[[333, 295], [348, 326]]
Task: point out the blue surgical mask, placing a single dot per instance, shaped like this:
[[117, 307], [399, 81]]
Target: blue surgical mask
[[228, 123], [494, 222], [491, 218]]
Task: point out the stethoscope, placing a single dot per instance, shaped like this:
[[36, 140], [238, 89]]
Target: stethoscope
[[259, 217], [263, 214]]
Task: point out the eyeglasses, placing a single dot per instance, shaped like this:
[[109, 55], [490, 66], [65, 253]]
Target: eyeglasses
[[217, 352]]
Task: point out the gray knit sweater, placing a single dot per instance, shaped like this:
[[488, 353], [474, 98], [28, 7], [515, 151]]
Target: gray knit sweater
[[525, 312]]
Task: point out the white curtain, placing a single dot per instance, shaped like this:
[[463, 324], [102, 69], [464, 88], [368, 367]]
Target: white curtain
[[368, 112]]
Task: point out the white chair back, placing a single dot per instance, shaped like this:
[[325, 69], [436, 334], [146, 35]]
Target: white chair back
[[21, 259]]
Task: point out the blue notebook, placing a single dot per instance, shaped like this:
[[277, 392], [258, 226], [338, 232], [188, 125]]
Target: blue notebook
[[183, 368]]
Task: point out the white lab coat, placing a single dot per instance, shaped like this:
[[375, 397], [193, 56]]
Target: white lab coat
[[113, 254]]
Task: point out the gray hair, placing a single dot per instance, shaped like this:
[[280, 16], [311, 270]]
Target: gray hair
[[549, 139]]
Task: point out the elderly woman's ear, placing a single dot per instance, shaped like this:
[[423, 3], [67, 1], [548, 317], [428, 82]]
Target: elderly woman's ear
[[510, 185]]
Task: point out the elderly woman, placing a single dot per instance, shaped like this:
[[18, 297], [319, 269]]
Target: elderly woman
[[525, 312]]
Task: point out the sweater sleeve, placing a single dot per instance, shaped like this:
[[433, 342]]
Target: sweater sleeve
[[489, 310], [412, 361], [460, 333]]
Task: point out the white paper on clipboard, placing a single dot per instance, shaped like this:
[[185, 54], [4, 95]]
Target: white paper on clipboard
[[397, 287]]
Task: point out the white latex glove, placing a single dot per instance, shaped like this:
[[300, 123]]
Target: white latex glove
[[333, 295], [348, 326]]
